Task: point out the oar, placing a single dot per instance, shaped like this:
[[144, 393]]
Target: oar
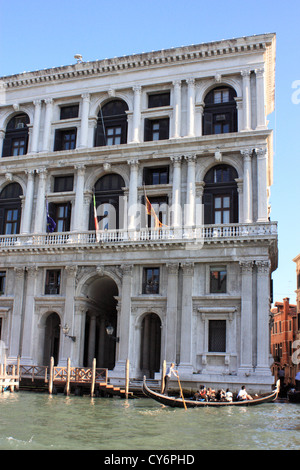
[[181, 392]]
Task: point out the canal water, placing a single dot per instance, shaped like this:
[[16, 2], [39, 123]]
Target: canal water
[[33, 421]]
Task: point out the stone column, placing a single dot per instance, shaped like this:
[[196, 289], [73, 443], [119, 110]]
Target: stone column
[[246, 318], [247, 187], [40, 213], [198, 119], [246, 100], [133, 193], [260, 98], [68, 346], [137, 90], [263, 313], [27, 213], [185, 366], [79, 198], [2, 135], [176, 191], [191, 107], [84, 120], [177, 109], [171, 315], [92, 339], [47, 125], [36, 126], [29, 339], [262, 185], [16, 320], [124, 349], [190, 191]]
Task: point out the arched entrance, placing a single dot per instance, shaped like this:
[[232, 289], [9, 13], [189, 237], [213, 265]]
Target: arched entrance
[[51, 341], [101, 313], [150, 345]]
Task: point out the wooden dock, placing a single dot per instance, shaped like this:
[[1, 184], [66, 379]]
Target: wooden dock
[[77, 380]]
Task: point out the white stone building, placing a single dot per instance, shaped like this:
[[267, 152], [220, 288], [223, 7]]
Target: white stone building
[[185, 127]]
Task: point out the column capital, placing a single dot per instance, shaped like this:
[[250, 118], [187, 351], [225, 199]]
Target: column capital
[[127, 269], [263, 266], [85, 96], [190, 157], [261, 152], [37, 102], [80, 167], [246, 266], [32, 271], [187, 268], [49, 101], [260, 71], [245, 73], [191, 81], [172, 268], [247, 153], [42, 172], [176, 159], [137, 88], [19, 271], [71, 270], [133, 162], [176, 83]]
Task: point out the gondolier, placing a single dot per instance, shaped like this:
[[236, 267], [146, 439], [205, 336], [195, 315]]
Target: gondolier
[[169, 372]]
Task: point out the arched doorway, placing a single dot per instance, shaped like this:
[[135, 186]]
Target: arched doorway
[[52, 337], [101, 313], [150, 345], [112, 124]]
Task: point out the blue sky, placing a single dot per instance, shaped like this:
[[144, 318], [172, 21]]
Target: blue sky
[[41, 34]]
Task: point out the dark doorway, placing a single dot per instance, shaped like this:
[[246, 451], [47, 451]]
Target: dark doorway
[[150, 345], [52, 336]]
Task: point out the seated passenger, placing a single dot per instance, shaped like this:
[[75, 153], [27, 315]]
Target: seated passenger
[[243, 395], [211, 394], [228, 395]]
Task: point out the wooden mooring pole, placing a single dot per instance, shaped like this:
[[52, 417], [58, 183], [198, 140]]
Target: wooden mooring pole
[[93, 377], [127, 378], [51, 375], [163, 373], [68, 377]]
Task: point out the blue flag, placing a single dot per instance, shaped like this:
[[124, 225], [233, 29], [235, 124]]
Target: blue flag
[[51, 225]]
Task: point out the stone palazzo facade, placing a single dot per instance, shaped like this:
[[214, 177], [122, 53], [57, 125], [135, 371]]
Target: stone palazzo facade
[[173, 152]]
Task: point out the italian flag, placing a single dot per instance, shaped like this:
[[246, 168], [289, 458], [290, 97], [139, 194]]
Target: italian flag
[[96, 220]]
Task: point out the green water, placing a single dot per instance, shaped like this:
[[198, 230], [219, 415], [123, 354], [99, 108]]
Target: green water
[[32, 421]]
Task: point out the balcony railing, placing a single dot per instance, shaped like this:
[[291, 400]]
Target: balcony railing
[[200, 234]]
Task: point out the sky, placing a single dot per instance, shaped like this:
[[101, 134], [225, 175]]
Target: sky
[[42, 34]]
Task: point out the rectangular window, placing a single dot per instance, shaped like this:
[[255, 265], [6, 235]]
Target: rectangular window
[[217, 336], [52, 284], [157, 129], [221, 96], [63, 217], [222, 209], [2, 282], [63, 183], [69, 112], [159, 99], [151, 281], [11, 221], [218, 280], [65, 139], [113, 135], [156, 175], [18, 146]]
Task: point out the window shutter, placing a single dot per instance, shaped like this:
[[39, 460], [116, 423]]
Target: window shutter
[[147, 130], [207, 123], [7, 143], [57, 141], [2, 221], [68, 219], [164, 129], [208, 208]]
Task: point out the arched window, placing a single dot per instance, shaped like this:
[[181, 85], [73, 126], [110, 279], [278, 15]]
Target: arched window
[[10, 209], [112, 124], [16, 136], [220, 115], [108, 196], [220, 195]]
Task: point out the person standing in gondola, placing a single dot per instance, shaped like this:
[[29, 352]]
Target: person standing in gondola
[[169, 372]]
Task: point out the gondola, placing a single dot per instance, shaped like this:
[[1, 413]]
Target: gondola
[[190, 403]]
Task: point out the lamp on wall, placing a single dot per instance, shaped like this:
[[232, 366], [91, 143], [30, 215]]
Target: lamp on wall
[[65, 330], [109, 331]]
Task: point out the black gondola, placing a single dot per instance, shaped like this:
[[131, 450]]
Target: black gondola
[[179, 403]]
